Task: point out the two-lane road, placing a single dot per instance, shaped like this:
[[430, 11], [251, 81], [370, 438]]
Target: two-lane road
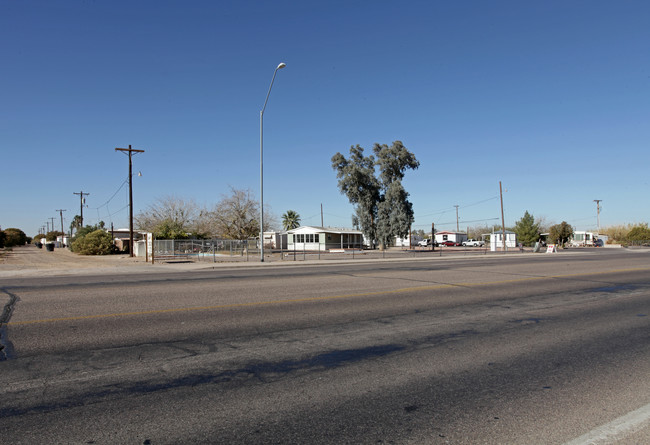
[[491, 349]]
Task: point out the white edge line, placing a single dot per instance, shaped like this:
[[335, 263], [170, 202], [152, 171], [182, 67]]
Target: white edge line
[[616, 429]]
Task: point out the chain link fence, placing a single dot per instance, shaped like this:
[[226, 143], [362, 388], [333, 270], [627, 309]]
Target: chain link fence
[[204, 250], [226, 250]]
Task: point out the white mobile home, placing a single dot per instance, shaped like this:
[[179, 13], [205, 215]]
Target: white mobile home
[[456, 237], [323, 238], [582, 238]]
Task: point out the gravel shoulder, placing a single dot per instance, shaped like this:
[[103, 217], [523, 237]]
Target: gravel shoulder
[[29, 260]]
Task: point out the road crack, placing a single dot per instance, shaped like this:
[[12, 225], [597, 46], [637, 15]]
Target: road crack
[[6, 347]]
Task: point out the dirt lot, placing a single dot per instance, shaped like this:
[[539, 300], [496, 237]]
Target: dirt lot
[[31, 258]]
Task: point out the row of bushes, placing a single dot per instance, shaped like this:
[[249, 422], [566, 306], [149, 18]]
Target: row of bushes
[[12, 237], [628, 234]]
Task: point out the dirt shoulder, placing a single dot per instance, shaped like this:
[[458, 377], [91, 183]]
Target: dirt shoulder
[[31, 258]]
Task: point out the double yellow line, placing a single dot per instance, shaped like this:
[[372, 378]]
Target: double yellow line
[[312, 299]]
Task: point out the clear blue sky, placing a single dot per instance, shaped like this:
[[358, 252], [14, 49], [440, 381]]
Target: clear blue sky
[[551, 98]]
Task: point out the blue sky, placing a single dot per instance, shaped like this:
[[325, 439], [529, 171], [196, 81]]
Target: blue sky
[[550, 98]]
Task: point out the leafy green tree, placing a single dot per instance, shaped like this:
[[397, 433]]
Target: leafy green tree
[[97, 242], [358, 182], [381, 204], [82, 232], [14, 237], [290, 220], [527, 230], [639, 232], [37, 238], [51, 236], [561, 233], [170, 229], [395, 210]]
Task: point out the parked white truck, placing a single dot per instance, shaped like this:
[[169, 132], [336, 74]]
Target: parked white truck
[[473, 243]]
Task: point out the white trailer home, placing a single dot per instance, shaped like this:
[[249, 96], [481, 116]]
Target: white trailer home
[[324, 238], [456, 237]]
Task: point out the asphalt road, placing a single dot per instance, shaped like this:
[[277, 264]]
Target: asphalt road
[[488, 349]]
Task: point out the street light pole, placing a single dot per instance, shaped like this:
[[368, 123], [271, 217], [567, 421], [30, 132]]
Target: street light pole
[[280, 66]]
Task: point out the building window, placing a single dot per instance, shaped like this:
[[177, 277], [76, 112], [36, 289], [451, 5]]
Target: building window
[[316, 240]]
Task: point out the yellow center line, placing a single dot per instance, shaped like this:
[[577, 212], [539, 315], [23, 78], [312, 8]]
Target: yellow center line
[[312, 299]]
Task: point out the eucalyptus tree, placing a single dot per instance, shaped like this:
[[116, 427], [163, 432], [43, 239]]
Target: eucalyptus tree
[[357, 181], [395, 210], [381, 204]]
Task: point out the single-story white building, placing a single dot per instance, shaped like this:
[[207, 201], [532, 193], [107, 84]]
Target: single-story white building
[[457, 237], [496, 240], [275, 240], [407, 241], [324, 238]]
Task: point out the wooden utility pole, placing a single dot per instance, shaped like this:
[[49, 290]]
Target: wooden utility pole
[[433, 238], [597, 201], [62, 232], [81, 210], [457, 228], [130, 151]]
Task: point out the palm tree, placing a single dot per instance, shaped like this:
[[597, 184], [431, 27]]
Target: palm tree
[[76, 223], [290, 220]]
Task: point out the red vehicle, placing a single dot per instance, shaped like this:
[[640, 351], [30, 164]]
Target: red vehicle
[[449, 243]]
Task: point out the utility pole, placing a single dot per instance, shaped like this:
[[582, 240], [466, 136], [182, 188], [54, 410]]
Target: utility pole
[[433, 238], [457, 229], [321, 215], [130, 151], [47, 223], [52, 219], [503, 223], [62, 231], [597, 201], [81, 208]]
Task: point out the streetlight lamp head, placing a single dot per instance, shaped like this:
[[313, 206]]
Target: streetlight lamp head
[[281, 65]]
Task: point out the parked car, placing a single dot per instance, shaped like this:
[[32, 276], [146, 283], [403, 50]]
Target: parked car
[[426, 243], [473, 243], [449, 243]]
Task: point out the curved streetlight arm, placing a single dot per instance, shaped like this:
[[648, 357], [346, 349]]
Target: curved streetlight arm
[[280, 66]]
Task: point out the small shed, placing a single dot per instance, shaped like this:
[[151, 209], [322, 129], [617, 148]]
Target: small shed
[[496, 240], [275, 240]]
